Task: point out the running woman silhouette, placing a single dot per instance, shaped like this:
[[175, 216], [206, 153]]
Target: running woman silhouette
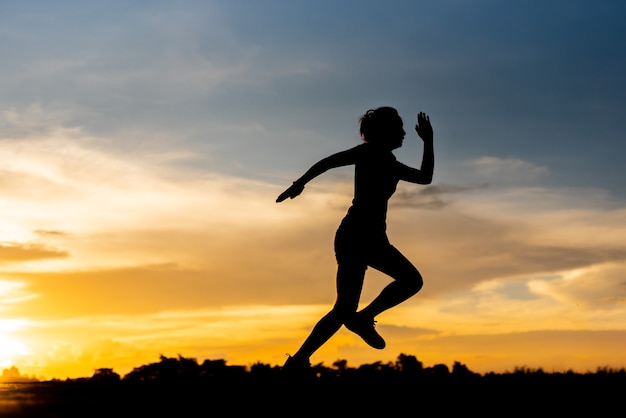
[[361, 239]]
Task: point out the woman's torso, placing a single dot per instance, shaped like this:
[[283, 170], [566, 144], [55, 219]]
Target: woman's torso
[[375, 180]]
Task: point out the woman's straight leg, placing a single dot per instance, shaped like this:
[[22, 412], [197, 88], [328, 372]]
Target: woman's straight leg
[[349, 283]]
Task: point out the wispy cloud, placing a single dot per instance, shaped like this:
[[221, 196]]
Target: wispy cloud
[[509, 171], [430, 197], [599, 286]]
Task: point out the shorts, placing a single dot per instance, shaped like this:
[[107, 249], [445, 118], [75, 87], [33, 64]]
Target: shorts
[[358, 246]]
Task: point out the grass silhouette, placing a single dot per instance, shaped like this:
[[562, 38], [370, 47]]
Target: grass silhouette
[[182, 387]]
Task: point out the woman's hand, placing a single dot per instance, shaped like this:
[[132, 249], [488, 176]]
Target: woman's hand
[[294, 190], [423, 127]]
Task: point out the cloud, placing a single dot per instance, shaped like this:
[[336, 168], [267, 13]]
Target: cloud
[[11, 292], [507, 171], [429, 197], [16, 252], [597, 286], [509, 233]]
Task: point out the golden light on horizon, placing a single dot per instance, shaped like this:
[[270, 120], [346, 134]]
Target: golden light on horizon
[[151, 261], [10, 347]]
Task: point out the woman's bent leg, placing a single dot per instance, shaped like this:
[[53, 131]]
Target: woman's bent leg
[[407, 282]]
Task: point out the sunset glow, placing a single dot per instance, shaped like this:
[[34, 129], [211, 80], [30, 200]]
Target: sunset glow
[[141, 162], [11, 349]]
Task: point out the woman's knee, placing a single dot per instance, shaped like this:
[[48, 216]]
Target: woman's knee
[[414, 282], [418, 284], [345, 305]]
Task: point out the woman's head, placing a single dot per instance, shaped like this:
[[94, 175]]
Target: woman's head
[[382, 126]]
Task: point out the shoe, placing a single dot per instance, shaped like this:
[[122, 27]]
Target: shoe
[[365, 328], [295, 367]]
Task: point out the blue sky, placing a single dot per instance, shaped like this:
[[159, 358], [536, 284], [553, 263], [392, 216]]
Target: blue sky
[[144, 144], [540, 81]]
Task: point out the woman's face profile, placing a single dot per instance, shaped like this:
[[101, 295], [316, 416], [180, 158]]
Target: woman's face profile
[[395, 133]]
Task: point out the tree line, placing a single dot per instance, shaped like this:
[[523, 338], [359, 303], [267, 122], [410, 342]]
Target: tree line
[[181, 386], [186, 369]]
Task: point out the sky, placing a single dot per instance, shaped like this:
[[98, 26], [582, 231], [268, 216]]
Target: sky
[[143, 145]]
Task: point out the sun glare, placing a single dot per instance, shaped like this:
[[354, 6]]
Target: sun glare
[[9, 349]]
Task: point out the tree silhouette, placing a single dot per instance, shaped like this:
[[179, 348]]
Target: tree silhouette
[[105, 375], [409, 365]]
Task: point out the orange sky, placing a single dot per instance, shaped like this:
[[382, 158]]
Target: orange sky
[[151, 262]]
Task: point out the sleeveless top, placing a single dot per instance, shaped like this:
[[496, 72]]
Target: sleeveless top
[[376, 175]]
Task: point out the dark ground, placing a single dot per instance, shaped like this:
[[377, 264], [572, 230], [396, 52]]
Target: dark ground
[[183, 388]]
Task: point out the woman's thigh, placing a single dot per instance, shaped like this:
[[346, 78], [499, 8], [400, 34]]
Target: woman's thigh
[[390, 261]]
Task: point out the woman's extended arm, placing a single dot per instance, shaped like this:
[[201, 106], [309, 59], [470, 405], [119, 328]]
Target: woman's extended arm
[[339, 159]]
